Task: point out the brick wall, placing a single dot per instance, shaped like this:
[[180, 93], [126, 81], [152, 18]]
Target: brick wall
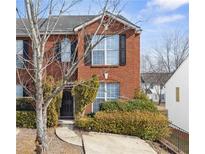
[[128, 76]]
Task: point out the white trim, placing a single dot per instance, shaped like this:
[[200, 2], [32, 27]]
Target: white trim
[[109, 14]]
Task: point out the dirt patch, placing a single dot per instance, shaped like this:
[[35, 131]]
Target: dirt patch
[[25, 143]]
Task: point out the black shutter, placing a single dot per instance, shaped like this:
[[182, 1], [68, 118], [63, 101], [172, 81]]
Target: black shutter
[[122, 47], [25, 51], [88, 57], [24, 93], [73, 54], [58, 51]]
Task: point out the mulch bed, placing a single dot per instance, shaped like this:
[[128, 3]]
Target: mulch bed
[[25, 143]]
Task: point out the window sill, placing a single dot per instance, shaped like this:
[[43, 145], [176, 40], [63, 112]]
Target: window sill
[[104, 66]]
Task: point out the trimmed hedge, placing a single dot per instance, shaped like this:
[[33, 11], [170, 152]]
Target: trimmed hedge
[[132, 105], [146, 125], [25, 104], [26, 119]]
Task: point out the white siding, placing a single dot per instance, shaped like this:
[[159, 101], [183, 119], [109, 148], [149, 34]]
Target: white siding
[[178, 112]]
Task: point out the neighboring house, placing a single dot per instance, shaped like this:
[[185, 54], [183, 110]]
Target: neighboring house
[[116, 60], [153, 85], [177, 96]]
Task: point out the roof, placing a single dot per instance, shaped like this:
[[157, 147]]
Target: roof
[[66, 23], [155, 78]]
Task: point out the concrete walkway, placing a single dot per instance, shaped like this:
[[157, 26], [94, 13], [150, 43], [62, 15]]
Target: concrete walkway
[[17, 131], [67, 134], [103, 143]]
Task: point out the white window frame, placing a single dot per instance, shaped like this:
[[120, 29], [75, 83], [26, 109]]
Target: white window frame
[[65, 40], [105, 94], [105, 53]]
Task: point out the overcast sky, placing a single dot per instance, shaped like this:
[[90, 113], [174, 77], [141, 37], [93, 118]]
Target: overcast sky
[[155, 17]]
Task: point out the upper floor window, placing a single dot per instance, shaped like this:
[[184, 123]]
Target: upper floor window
[[65, 50], [19, 53], [106, 52]]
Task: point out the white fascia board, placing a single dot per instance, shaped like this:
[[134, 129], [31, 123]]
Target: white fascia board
[[114, 17]]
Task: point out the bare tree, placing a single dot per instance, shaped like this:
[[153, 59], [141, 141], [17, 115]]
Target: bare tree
[[165, 58], [39, 25], [172, 51]]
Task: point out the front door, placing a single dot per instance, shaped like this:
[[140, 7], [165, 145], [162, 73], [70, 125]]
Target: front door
[[66, 110]]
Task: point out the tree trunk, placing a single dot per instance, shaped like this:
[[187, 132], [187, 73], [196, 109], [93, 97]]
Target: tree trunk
[[41, 145], [160, 93], [45, 122]]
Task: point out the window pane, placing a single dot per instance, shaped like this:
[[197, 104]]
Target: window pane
[[113, 42], [19, 53], [65, 50], [98, 57], [19, 91], [96, 104], [101, 44], [19, 46], [113, 57], [19, 61], [101, 91], [113, 90]]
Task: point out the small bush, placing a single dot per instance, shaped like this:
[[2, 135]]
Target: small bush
[[139, 94], [54, 107], [25, 104], [85, 93], [52, 115], [146, 125], [131, 105], [91, 114], [26, 119]]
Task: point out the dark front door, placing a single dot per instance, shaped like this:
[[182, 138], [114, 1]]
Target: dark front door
[[67, 104]]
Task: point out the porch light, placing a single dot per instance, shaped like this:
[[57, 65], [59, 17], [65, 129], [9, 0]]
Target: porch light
[[106, 75]]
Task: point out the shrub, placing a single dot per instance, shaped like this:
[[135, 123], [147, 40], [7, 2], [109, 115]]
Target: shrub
[[131, 105], [54, 107], [25, 104], [146, 125], [139, 94], [85, 93], [26, 119], [52, 115], [25, 115]]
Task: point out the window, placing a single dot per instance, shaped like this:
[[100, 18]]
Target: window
[[19, 53], [177, 94], [65, 50], [19, 91], [106, 91], [106, 52]]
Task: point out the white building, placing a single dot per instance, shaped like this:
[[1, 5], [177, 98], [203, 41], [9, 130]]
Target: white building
[[177, 96]]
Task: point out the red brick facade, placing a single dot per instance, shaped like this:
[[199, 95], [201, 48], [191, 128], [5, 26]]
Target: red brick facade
[[127, 76]]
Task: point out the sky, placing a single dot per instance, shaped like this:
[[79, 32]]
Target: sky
[[155, 17]]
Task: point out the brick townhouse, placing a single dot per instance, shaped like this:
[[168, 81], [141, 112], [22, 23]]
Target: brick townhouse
[[115, 60]]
